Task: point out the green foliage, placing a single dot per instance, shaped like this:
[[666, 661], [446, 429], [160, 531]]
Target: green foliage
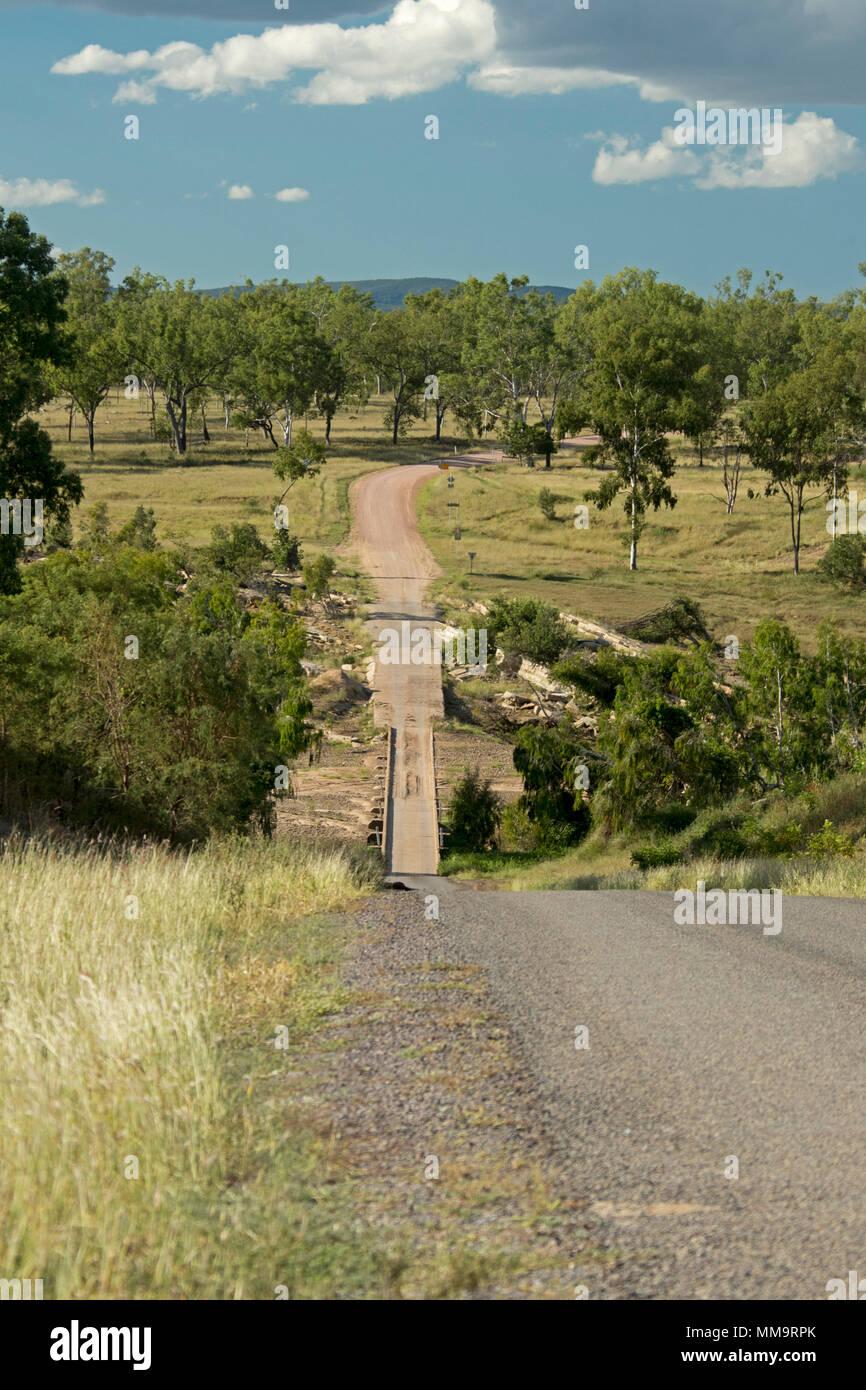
[[318, 575], [97, 358], [160, 429], [32, 344], [303, 460], [547, 503], [238, 551], [666, 740], [828, 842], [652, 856], [646, 343], [178, 736], [140, 530], [286, 551], [548, 760], [598, 674], [474, 816], [842, 562], [679, 621], [527, 626]]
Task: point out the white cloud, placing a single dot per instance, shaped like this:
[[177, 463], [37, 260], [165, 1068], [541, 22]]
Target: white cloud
[[616, 163], [240, 191], [423, 45], [813, 148], [510, 80], [95, 58], [43, 193], [516, 80], [292, 195], [138, 92]]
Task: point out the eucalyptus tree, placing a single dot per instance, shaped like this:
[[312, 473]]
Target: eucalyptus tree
[[645, 342], [96, 361], [185, 341], [789, 434], [395, 355], [344, 320], [434, 324], [282, 359]]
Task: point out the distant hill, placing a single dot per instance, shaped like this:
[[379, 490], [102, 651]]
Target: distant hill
[[389, 294]]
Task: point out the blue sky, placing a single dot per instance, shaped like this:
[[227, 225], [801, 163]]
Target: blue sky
[[551, 133]]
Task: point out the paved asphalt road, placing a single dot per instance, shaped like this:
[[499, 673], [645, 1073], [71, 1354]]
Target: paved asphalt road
[[705, 1043]]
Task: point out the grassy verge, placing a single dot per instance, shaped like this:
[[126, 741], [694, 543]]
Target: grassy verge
[[144, 1151], [605, 862]]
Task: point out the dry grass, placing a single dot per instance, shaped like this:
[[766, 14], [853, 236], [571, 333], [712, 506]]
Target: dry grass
[[133, 1162], [226, 480], [739, 568]]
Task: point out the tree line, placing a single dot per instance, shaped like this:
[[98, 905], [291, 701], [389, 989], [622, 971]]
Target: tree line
[[747, 374]]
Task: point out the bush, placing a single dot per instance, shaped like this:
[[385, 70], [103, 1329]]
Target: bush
[[528, 627], [547, 503], [239, 552], [518, 832], [161, 430], [287, 553], [475, 815], [829, 842], [140, 530], [547, 760], [318, 575], [598, 674], [655, 856], [842, 561], [679, 621]]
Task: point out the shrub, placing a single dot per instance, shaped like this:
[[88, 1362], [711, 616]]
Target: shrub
[[842, 561], [655, 856], [318, 575], [829, 842], [518, 832], [680, 620], [547, 503], [475, 814], [239, 552], [528, 627], [287, 553], [597, 674], [140, 530], [547, 760]]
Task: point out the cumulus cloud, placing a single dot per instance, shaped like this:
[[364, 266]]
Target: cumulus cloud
[[240, 192], [292, 195], [43, 193], [421, 46], [812, 148]]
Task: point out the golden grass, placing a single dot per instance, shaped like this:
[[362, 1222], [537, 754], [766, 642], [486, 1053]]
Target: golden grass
[[739, 567], [226, 480], [129, 1147]]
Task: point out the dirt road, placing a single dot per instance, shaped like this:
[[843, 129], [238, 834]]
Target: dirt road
[[407, 695]]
